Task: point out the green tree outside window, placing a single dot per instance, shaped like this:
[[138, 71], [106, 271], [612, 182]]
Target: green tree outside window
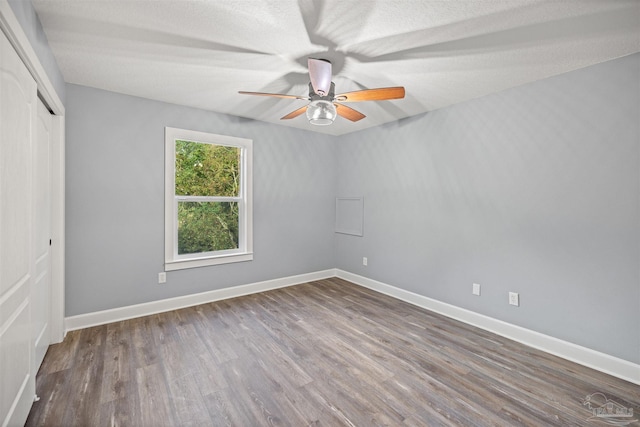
[[207, 171]]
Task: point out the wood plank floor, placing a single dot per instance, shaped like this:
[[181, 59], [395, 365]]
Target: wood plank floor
[[327, 353]]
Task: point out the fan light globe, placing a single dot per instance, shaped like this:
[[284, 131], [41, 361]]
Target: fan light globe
[[321, 113]]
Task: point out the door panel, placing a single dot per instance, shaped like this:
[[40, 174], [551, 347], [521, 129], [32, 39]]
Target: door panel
[[17, 116], [41, 293]]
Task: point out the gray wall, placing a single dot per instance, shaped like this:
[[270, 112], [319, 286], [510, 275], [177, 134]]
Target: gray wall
[[533, 190], [115, 201], [30, 23]]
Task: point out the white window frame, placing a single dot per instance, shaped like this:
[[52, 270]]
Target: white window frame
[[244, 252]]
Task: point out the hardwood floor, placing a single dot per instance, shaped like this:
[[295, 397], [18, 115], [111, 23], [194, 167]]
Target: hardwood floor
[[324, 353]]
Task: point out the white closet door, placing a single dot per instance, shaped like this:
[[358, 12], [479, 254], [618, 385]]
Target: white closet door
[[41, 292], [17, 117]]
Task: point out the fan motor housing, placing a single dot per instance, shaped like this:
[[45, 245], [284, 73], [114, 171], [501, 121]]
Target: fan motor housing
[[329, 97]]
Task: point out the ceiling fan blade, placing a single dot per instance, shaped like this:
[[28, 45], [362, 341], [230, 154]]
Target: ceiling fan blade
[[320, 74], [275, 95], [295, 113], [348, 112], [380, 94]]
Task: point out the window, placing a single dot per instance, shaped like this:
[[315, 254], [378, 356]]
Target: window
[[207, 199]]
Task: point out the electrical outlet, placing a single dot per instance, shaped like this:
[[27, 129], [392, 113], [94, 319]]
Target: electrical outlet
[[162, 277], [514, 298], [364, 260], [476, 289]]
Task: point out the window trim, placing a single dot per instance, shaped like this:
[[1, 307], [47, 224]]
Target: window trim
[[172, 260]]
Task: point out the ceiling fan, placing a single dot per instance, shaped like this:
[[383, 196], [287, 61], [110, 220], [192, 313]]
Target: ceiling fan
[[325, 105]]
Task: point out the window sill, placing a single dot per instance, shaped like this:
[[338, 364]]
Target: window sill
[[204, 262]]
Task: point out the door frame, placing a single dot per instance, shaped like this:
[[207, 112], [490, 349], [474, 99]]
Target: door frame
[[46, 91]]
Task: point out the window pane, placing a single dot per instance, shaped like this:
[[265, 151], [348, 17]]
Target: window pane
[[207, 169], [207, 226]]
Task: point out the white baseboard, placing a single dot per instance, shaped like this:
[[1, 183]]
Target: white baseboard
[[87, 320], [602, 362], [584, 356]]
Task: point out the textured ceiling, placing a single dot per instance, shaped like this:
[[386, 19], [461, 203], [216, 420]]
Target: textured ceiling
[[200, 53]]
